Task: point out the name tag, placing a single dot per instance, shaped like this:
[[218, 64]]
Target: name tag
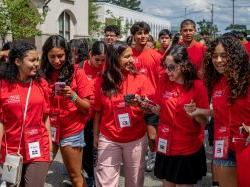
[[34, 150], [219, 149], [124, 120], [53, 133], [162, 145]]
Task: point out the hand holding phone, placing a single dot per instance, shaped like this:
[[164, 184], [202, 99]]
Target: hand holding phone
[[59, 87]]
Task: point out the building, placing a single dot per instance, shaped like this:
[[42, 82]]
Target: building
[[68, 18], [108, 12]]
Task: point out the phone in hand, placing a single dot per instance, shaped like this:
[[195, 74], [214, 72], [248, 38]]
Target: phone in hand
[[59, 86]]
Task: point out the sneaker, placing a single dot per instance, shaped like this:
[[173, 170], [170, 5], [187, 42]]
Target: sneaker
[[150, 164], [67, 182]]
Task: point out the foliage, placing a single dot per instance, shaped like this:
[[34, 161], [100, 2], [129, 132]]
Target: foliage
[[94, 25], [19, 18], [207, 27], [237, 27]]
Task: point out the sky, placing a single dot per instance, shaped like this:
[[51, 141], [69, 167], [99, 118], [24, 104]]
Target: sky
[[174, 11]]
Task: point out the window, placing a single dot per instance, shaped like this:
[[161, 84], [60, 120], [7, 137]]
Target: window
[[64, 25]]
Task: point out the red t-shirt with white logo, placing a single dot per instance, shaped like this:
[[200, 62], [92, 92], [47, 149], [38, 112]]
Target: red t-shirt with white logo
[[69, 119], [12, 104], [148, 63], [230, 115], [114, 109], [186, 135]]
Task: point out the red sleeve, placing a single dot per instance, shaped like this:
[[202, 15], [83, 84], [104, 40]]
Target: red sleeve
[[84, 86], [201, 95], [47, 92], [97, 95], [159, 89]]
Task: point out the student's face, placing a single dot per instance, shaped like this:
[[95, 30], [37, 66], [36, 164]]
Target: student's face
[[220, 58], [164, 40], [126, 60], [97, 61], [57, 57], [172, 69], [187, 32], [29, 66], [110, 37], [141, 37]]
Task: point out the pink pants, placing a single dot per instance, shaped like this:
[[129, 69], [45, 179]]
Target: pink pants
[[112, 154]]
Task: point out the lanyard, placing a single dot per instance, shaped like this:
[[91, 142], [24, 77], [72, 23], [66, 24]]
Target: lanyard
[[24, 118]]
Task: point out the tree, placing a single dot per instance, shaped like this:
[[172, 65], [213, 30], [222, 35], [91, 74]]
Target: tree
[[207, 27], [94, 25], [130, 4], [237, 27], [19, 18]]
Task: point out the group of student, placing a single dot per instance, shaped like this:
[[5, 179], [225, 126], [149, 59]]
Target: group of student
[[118, 98]]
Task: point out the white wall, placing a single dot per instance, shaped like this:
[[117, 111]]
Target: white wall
[[156, 23], [77, 9]]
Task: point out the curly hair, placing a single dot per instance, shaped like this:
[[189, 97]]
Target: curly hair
[[113, 76], [67, 70], [180, 56], [237, 69], [19, 51]]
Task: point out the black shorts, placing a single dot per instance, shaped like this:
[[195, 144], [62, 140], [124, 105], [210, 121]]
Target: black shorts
[[151, 119], [183, 169]]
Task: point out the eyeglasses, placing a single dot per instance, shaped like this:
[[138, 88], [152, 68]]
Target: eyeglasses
[[170, 67]]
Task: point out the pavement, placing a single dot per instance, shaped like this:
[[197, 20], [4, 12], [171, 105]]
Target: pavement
[[56, 176]]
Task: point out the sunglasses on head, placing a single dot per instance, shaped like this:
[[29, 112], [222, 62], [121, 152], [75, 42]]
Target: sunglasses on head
[[170, 67]]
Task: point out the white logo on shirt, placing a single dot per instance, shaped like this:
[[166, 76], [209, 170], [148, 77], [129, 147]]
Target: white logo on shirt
[[168, 94], [13, 99], [218, 93]]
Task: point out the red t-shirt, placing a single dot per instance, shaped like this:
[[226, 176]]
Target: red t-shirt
[[196, 53], [70, 120], [138, 84], [92, 72], [12, 104], [186, 135], [148, 63], [238, 112], [247, 47]]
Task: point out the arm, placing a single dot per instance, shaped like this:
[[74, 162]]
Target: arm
[[47, 125], [96, 131], [83, 104]]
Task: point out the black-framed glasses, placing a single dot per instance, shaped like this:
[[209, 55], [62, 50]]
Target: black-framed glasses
[[170, 67]]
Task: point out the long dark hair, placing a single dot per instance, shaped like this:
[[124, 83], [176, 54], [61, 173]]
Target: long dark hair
[[67, 70], [237, 69], [180, 56], [113, 76], [18, 51]]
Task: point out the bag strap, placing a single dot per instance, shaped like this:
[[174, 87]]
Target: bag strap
[[24, 118]]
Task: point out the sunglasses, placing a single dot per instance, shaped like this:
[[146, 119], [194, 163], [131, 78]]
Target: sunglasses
[[170, 67]]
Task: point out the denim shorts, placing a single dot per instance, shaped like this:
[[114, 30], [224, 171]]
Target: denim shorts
[[76, 140], [229, 162], [151, 119]]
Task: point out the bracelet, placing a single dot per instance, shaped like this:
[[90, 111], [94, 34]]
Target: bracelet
[[73, 97]]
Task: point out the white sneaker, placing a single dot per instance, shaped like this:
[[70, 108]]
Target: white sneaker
[[150, 164]]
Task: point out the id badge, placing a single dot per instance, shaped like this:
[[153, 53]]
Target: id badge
[[34, 149], [163, 139], [33, 143], [54, 129], [121, 114], [221, 143]]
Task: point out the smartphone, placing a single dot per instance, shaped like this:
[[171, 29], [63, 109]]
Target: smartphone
[[59, 86]]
